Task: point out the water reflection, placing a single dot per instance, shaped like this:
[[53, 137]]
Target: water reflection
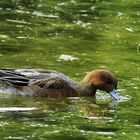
[[101, 34], [17, 21], [4, 109], [39, 14]]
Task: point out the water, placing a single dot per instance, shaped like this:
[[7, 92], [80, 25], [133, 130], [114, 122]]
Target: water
[[73, 37]]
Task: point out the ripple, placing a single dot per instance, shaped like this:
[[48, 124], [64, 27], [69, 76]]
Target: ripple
[[40, 14], [125, 98], [95, 118], [106, 133], [4, 109], [17, 21], [14, 138], [129, 29]]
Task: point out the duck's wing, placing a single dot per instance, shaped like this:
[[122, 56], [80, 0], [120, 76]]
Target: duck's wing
[[10, 76], [35, 73], [45, 78], [30, 77], [50, 82]]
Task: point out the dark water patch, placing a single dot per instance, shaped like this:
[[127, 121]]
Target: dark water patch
[[9, 49], [7, 4], [98, 129], [21, 4], [101, 35], [66, 137]]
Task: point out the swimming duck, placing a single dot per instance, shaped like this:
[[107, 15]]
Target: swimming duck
[[49, 83]]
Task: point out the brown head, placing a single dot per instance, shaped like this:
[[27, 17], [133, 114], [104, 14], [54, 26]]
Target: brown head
[[103, 80]]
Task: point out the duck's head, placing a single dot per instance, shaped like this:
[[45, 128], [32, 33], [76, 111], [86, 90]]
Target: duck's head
[[103, 80]]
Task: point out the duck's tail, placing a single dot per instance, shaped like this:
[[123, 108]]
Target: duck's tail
[[9, 75]]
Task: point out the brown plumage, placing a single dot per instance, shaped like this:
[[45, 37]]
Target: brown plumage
[[47, 83]]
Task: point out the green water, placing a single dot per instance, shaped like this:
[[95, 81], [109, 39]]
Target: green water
[[101, 35]]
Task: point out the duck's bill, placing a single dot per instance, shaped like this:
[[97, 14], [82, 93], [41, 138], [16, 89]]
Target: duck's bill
[[115, 95]]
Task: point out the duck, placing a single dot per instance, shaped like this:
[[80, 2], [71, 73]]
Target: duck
[[53, 84]]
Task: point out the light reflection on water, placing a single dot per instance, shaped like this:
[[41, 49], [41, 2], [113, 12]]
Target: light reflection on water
[[4, 109], [106, 133], [101, 34]]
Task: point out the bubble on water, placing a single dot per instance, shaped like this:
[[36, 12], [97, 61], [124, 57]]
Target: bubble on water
[[66, 58], [93, 8], [119, 14]]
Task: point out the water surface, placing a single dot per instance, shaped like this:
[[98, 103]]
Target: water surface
[[73, 37]]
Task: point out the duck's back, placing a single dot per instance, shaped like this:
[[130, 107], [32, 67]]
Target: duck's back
[[42, 78], [36, 82]]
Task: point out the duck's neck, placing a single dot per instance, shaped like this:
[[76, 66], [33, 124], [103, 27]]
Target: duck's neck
[[84, 90]]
